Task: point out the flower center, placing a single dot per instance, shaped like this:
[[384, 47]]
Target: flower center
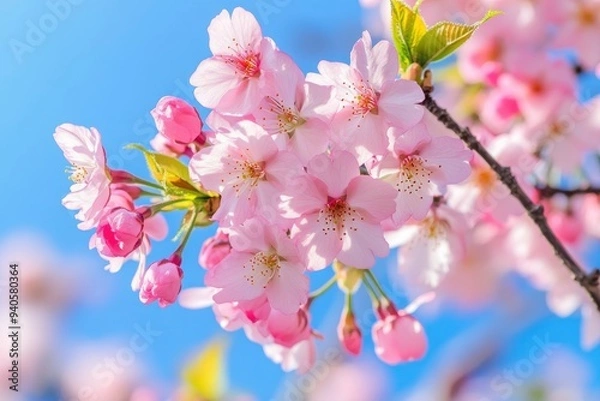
[[366, 102], [338, 217], [288, 118], [432, 228], [252, 171], [362, 98], [413, 175], [262, 264], [537, 87], [244, 173], [78, 174], [246, 63], [558, 129], [484, 178], [586, 16]]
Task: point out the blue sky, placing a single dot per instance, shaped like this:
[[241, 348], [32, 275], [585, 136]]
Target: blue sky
[[105, 64]]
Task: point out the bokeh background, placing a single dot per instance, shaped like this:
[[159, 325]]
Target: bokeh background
[[105, 63]]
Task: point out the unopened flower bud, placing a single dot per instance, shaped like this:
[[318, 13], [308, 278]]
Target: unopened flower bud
[[161, 282]]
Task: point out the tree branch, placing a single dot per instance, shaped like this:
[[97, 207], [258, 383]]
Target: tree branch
[[549, 192], [589, 282]]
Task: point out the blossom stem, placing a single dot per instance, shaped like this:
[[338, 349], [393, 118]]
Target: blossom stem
[[372, 293], [535, 211], [137, 180], [160, 206], [150, 193], [188, 232], [369, 275], [323, 289]]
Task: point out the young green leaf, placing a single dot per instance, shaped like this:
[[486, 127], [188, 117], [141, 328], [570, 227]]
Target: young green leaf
[[444, 38], [172, 174], [408, 27]]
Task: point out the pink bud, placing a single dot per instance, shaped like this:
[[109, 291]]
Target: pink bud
[[166, 146], [177, 120], [289, 330], [162, 283], [399, 338], [119, 232], [214, 250], [349, 333]]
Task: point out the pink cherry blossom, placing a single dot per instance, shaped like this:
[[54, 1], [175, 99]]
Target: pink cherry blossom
[[214, 250], [537, 261], [430, 248], [368, 98], [483, 194], [263, 261], [538, 87], [293, 110], [177, 120], [247, 168], [421, 167], [161, 282], [565, 137], [243, 61], [499, 111], [580, 30], [479, 264], [399, 338], [338, 212], [90, 191], [119, 232]]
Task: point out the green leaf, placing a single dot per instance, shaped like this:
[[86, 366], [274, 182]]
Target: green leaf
[[168, 171], [442, 39], [408, 28], [205, 377]]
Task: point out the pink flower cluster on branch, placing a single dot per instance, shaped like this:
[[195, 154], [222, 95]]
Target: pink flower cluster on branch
[[311, 172], [533, 123]]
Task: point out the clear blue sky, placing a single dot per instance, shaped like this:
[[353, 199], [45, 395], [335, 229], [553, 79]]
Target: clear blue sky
[[105, 64]]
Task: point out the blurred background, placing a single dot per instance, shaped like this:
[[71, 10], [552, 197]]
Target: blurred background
[[105, 64]]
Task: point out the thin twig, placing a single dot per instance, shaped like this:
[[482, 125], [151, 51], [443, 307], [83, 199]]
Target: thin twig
[[589, 282], [548, 191]]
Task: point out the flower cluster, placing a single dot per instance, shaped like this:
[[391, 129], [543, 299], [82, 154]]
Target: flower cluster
[[298, 171], [329, 170], [525, 94]]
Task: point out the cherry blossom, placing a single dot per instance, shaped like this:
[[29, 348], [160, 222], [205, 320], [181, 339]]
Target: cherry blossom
[[262, 262], [339, 211], [421, 167], [247, 168], [368, 98], [90, 191], [243, 61], [293, 109]]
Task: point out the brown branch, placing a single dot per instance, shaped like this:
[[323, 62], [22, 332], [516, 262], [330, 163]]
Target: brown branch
[[548, 191], [589, 282]]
